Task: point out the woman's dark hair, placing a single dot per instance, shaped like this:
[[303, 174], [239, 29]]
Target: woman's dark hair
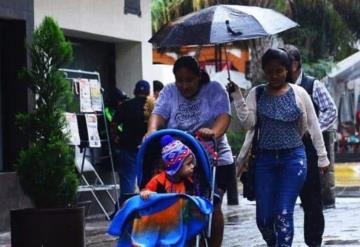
[[157, 85], [293, 53], [114, 96], [191, 64], [204, 77], [279, 55]]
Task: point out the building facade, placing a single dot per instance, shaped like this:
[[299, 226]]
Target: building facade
[[105, 38], [16, 27], [109, 37]]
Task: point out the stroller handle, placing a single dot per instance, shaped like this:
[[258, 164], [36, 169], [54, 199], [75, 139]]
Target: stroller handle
[[202, 156], [212, 150]]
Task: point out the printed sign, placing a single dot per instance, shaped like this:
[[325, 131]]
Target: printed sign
[[96, 100], [72, 128], [85, 96], [92, 129]]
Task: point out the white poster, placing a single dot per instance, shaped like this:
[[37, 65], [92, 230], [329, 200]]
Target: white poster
[[92, 129], [72, 128], [85, 97], [95, 90]]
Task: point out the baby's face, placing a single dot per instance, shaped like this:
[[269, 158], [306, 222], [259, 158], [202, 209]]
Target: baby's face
[[188, 166]]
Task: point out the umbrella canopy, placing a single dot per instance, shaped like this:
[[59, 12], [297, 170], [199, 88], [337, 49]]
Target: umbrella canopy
[[236, 76], [222, 24]]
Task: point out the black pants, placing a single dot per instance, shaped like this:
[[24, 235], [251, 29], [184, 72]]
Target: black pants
[[311, 199]]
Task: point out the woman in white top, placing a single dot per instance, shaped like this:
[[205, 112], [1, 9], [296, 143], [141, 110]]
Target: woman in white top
[[283, 113]]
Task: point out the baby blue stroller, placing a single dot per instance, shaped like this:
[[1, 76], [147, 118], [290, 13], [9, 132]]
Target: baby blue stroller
[[166, 228]]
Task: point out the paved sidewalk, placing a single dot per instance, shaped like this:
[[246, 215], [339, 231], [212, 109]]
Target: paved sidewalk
[[342, 227]]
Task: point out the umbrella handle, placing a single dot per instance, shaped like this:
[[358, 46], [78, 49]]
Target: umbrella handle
[[227, 63], [227, 23]]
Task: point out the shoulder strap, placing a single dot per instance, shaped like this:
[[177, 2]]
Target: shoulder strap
[[307, 83], [258, 92]]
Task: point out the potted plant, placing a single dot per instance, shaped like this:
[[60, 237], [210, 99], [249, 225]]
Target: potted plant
[[46, 168]]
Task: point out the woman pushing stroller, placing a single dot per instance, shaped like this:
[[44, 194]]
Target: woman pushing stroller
[[196, 105]]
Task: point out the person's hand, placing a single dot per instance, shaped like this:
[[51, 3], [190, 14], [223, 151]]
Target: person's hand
[[231, 87], [206, 133], [149, 132], [145, 194], [323, 170]]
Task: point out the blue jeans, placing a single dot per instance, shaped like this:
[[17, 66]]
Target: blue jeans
[[279, 177], [125, 165]]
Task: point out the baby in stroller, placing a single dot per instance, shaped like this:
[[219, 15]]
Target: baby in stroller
[[166, 213], [176, 177]]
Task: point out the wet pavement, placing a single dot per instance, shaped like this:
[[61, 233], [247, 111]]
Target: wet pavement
[[342, 226]]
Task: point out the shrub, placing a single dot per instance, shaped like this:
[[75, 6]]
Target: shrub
[[46, 168], [236, 140]]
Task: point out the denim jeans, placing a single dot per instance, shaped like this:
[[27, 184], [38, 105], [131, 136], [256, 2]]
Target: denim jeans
[[279, 177], [125, 165]]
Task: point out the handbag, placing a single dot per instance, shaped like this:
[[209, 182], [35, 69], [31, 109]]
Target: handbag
[[247, 178]]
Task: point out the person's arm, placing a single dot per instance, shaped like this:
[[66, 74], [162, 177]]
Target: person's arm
[[218, 129], [313, 127], [150, 188], [155, 122], [327, 107], [245, 109], [221, 125], [220, 107]]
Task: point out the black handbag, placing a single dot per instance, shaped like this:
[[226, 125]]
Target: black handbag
[[247, 178]]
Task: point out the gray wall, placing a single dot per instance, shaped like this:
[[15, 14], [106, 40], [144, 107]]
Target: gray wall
[[11, 197], [19, 10], [16, 25]]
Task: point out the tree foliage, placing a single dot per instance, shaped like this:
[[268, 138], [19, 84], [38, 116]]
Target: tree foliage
[[350, 12], [46, 168], [322, 33]]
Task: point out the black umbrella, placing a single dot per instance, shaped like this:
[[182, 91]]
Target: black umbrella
[[222, 24]]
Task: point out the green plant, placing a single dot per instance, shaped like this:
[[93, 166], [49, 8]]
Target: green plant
[[46, 167], [319, 69], [236, 140]]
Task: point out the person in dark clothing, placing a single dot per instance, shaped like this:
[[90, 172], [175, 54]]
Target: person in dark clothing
[[117, 97], [132, 115], [310, 195]]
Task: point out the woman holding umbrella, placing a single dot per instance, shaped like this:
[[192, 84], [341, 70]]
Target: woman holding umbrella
[[282, 112], [199, 106]]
